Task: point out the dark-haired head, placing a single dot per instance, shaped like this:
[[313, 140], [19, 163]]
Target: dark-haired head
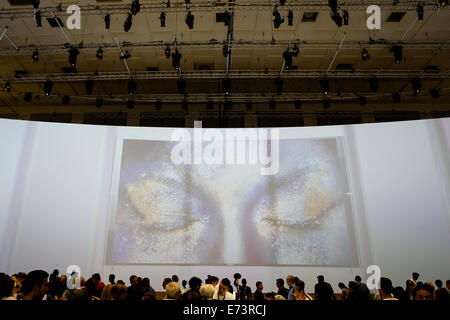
[[358, 279], [321, 278]]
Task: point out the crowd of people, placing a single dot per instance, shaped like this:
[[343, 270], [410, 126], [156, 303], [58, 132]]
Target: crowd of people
[[39, 285]]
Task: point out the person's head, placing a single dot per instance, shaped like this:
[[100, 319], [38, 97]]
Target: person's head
[[424, 292], [119, 291], [447, 284], [212, 280], [146, 282], [112, 278], [289, 280], [78, 282], [270, 296], [280, 283], [410, 285], [195, 283], [207, 291], [184, 283], [259, 285], [320, 278], [6, 286], [134, 280], [165, 282], [342, 286], [224, 286], [386, 287], [35, 285], [55, 272], [358, 279], [353, 286], [244, 282], [398, 293], [96, 278], [279, 297], [415, 276], [63, 279], [299, 289], [438, 283], [173, 290], [175, 278]]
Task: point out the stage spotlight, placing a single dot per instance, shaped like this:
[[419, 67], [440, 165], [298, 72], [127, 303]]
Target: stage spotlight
[[158, 105], [36, 3], [373, 83], [248, 105], [396, 97], [27, 97], [38, 18], [126, 56], [35, 55], [282, 2], [7, 87], [184, 104], [187, 1], [135, 7], [420, 11], [398, 53], [168, 4], [297, 104], [287, 56], [99, 54], [162, 17], [277, 21], [107, 21], [290, 17], [89, 86], [226, 86], [346, 17], [226, 18], [73, 54], [295, 50], [333, 5], [443, 3], [130, 104], [128, 23], [209, 105], [65, 100], [99, 102], [167, 52], [176, 58], [272, 105], [48, 86], [362, 101], [416, 84], [181, 86], [190, 20], [365, 54], [132, 87], [325, 86], [336, 17], [225, 49], [228, 105], [326, 103], [435, 93], [279, 85]]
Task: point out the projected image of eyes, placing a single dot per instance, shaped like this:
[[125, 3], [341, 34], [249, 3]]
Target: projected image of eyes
[[222, 214]]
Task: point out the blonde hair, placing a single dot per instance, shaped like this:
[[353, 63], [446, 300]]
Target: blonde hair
[[172, 289], [207, 291]]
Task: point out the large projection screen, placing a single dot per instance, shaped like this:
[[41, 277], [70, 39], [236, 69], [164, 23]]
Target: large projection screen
[[110, 200]]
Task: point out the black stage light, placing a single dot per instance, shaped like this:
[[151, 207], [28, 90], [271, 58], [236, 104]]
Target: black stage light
[[36, 3], [48, 86], [225, 49], [38, 18], [416, 84], [295, 50], [287, 56], [297, 104], [333, 5], [226, 18], [107, 21], [167, 52], [279, 85], [362, 101], [365, 54], [130, 104], [27, 97], [168, 4], [226, 85], [135, 7], [99, 54], [373, 83], [158, 105], [326, 103], [73, 54], [89, 86], [176, 58], [248, 105], [7, 87], [132, 87], [272, 105], [420, 11], [396, 97], [336, 17], [99, 102], [35, 55], [184, 104], [190, 20], [435, 93], [443, 3], [325, 86], [282, 2], [65, 100], [187, 1], [277, 21], [228, 105], [290, 17], [181, 86], [346, 17], [127, 55], [209, 105], [128, 23], [398, 53], [162, 17]]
